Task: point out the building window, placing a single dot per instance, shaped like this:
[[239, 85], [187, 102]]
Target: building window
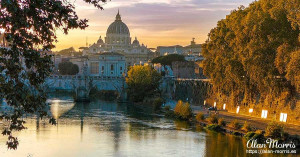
[[121, 68], [95, 68], [102, 68], [112, 67]]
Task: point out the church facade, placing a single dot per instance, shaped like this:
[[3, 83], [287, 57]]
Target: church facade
[[108, 64], [118, 40]]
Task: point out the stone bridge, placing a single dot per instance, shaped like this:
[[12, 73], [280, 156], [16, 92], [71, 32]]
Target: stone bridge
[[82, 85], [191, 90]]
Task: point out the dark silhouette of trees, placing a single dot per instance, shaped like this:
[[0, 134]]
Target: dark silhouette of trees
[[68, 68], [29, 27], [168, 59], [69, 52], [252, 56], [142, 81]]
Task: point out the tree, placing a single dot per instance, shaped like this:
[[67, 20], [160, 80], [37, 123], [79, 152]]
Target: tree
[[183, 110], [142, 81], [168, 59], [252, 56], [69, 52], [74, 70], [293, 70], [68, 68], [29, 27]]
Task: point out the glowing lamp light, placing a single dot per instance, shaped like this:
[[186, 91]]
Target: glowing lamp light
[[204, 102], [238, 109], [264, 114], [250, 110], [283, 117], [224, 106], [215, 104]]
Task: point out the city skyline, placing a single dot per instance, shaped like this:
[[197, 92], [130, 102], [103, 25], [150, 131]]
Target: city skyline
[[167, 78], [155, 23]]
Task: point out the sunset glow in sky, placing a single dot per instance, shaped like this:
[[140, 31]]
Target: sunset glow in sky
[[153, 22]]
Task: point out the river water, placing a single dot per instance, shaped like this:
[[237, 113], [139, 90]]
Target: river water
[[102, 128]]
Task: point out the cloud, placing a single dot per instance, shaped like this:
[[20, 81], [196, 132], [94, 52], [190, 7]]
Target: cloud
[[155, 22], [214, 9]]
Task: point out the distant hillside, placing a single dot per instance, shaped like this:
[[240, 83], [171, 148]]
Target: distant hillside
[[68, 52]]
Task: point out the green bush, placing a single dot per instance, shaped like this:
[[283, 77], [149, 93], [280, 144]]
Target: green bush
[[158, 103], [221, 122], [170, 114], [249, 135], [257, 135], [214, 127], [183, 110], [246, 127], [213, 119], [200, 117], [274, 130], [234, 124], [178, 106]]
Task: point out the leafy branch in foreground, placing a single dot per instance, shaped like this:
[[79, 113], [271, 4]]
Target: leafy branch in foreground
[[29, 27]]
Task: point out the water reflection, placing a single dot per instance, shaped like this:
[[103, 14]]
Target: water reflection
[[101, 128], [182, 125], [59, 107]]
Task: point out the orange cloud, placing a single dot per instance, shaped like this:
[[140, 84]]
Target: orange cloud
[[154, 22]]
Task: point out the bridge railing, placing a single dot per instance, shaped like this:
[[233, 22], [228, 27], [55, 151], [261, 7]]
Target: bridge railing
[[85, 77]]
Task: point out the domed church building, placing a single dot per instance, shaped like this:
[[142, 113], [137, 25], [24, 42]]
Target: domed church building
[[118, 40], [118, 35]]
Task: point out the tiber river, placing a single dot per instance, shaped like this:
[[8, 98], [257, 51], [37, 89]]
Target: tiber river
[[101, 128]]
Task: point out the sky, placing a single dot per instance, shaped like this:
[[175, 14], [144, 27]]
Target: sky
[[153, 22]]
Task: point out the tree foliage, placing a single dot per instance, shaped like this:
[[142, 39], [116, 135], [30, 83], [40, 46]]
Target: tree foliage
[[293, 69], [200, 117], [183, 110], [68, 52], [142, 81], [213, 119], [253, 54], [235, 124], [274, 130], [29, 27], [168, 59], [68, 68]]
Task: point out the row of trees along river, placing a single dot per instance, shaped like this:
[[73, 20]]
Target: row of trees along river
[[253, 58]]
